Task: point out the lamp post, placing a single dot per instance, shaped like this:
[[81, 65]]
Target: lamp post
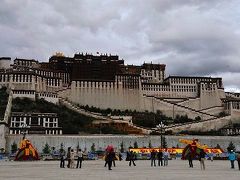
[[160, 127]]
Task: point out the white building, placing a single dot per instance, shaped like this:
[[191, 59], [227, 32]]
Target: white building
[[105, 82]]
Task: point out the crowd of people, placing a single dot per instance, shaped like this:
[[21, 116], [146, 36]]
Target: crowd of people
[[162, 156], [70, 156]]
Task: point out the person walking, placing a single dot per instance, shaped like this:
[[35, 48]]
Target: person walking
[[79, 158], [189, 158], [110, 158], [131, 158], [232, 158], [238, 159], [153, 158], [114, 158], [160, 157], [62, 159], [202, 159], [106, 158], [165, 157]]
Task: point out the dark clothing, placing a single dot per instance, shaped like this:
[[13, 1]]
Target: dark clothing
[[79, 162], [189, 158], [201, 159], [68, 158], [62, 162], [113, 160], [132, 158], [120, 156], [232, 164], [128, 156], [238, 160], [202, 154], [153, 158], [160, 158], [190, 163], [110, 157], [106, 162]]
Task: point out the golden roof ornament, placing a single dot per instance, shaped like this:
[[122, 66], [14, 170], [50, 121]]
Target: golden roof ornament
[[59, 54]]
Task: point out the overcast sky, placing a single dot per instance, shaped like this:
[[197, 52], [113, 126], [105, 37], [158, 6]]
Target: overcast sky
[[192, 37]]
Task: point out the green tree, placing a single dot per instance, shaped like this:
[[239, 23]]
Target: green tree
[[14, 147], [135, 145], [78, 147], [61, 150], [198, 118], [2, 150], [46, 149], [222, 114], [121, 147], [93, 149], [150, 144], [218, 146], [164, 142]]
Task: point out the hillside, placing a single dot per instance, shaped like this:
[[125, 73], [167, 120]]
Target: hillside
[[3, 102], [70, 121]]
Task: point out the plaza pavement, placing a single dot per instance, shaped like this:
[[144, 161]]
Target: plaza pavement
[[95, 170]]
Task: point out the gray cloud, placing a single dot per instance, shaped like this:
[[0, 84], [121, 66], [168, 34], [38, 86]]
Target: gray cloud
[[192, 37]]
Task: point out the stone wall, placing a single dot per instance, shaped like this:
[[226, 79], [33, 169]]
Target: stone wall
[[102, 141], [105, 96]]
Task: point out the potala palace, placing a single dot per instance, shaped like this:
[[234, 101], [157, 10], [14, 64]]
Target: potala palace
[[104, 81]]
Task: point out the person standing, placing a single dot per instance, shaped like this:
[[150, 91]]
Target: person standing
[[72, 155], [232, 158], [131, 158], [159, 157], [202, 159], [153, 158], [62, 159], [68, 157], [165, 157], [79, 158]]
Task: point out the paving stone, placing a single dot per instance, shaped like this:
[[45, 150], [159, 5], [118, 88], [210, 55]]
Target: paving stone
[[95, 170]]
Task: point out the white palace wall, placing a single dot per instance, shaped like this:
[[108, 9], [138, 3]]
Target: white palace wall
[[132, 99], [210, 97], [193, 103], [105, 96]]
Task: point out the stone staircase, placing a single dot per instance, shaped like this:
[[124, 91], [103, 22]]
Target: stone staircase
[[130, 128], [204, 125], [200, 126], [81, 111]]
